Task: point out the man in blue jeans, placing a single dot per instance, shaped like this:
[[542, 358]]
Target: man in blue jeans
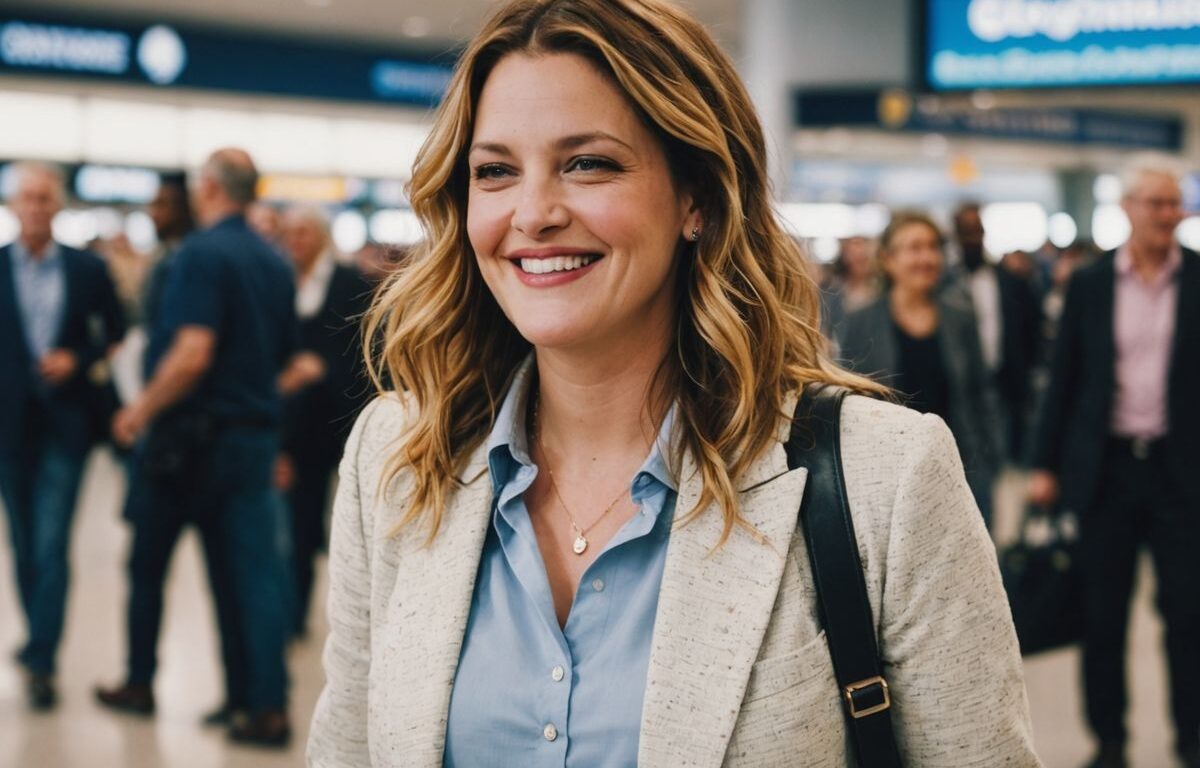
[[59, 317], [221, 352]]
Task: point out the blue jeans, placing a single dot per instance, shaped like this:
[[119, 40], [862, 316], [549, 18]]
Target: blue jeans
[[158, 517], [40, 488], [255, 533]]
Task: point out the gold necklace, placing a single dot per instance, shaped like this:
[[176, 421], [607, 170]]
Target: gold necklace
[[581, 543]]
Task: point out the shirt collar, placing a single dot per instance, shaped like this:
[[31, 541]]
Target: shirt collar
[[322, 271], [509, 442], [50, 257], [1124, 262]]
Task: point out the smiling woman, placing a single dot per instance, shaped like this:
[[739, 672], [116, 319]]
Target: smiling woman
[[569, 537]]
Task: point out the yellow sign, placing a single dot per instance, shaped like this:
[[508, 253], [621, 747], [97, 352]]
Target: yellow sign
[[308, 189]]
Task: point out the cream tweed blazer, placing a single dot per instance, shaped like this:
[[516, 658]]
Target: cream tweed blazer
[[739, 673]]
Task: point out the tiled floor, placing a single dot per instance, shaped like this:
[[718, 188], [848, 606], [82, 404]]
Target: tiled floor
[[80, 734]]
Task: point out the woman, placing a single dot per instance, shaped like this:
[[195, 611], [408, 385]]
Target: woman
[[573, 539], [854, 284], [926, 347]]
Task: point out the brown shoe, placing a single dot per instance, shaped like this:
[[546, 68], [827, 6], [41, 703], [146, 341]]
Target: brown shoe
[[264, 729], [130, 698]]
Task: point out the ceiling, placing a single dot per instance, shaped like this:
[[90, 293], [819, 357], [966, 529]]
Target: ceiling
[[425, 25]]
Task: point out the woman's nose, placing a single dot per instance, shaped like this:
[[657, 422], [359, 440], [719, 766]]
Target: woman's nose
[[539, 208]]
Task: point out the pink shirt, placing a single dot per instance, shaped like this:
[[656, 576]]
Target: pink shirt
[[1144, 329]]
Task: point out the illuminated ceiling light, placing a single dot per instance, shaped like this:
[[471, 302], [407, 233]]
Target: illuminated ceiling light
[[1107, 189], [1110, 227], [1014, 227], [319, 3], [416, 26], [1062, 229], [1188, 233], [349, 231]]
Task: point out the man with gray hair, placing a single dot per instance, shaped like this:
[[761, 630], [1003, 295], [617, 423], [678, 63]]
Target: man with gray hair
[[330, 297], [59, 318], [1120, 434], [221, 353]]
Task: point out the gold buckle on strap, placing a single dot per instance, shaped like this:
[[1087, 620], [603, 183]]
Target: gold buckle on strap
[[853, 688]]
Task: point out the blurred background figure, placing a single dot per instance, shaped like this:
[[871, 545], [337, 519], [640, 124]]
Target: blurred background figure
[[330, 299], [853, 283], [171, 212], [59, 320], [925, 344], [1119, 443], [128, 270], [1007, 317], [263, 218], [221, 352]]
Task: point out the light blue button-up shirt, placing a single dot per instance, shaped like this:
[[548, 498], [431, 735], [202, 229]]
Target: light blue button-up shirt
[[41, 285], [528, 693]]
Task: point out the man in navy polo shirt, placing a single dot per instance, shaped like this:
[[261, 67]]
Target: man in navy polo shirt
[[221, 351]]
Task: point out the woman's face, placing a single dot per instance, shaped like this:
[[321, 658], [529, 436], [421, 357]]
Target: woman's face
[[572, 212], [914, 259]]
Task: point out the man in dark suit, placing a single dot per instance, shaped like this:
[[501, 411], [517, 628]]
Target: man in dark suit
[[222, 352], [1119, 444], [330, 300], [1008, 319], [59, 318]]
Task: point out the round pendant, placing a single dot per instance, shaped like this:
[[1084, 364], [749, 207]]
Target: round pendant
[[580, 544]]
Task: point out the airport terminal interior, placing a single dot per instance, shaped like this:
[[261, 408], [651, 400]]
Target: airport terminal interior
[[1026, 114]]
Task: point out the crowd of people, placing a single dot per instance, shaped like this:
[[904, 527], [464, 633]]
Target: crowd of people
[[1066, 362], [248, 381], [1072, 365]]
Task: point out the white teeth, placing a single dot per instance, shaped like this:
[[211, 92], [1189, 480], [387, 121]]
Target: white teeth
[[555, 264]]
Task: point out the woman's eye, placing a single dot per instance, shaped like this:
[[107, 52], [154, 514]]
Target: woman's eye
[[592, 164], [490, 171]]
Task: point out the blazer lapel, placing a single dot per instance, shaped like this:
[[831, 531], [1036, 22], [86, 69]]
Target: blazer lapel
[[10, 316], [428, 612], [1185, 310], [72, 294], [713, 610]]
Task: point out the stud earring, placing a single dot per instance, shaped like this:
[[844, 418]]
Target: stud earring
[[695, 234]]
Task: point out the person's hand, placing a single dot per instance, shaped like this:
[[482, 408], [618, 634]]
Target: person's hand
[[129, 424], [57, 366], [285, 473], [303, 369], [1043, 488], [310, 367]]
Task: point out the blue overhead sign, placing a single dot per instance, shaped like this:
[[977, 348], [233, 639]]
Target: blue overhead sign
[[1058, 43], [897, 111], [162, 55]]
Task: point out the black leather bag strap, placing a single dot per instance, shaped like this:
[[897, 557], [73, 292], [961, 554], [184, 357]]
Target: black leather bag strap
[[815, 443]]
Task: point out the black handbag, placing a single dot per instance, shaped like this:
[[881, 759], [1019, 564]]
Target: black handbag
[[1044, 584], [845, 611]]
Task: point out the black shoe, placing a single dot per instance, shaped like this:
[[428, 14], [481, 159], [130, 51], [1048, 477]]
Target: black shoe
[[223, 716], [41, 693], [131, 698], [1111, 755], [265, 729]]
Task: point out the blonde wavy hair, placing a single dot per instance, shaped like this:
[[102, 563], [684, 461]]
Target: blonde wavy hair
[[747, 311]]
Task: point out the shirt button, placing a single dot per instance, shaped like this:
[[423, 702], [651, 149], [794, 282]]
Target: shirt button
[[598, 585], [550, 732], [557, 674]]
